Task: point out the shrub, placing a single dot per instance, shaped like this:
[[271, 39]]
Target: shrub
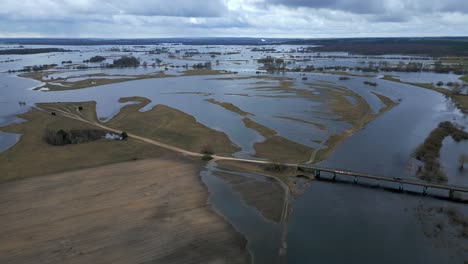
[[275, 167], [370, 83], [206, 157], [208, 150], [97, 59], [344, 78], [76, 136], [124, 135]]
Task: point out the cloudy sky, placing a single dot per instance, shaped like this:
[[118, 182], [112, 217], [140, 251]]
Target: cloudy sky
[[235, 18]]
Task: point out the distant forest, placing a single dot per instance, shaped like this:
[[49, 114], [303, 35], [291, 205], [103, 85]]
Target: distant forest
[[30, 51], [433, 46]]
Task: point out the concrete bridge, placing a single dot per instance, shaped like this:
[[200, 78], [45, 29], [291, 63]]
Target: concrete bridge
[[355, 176]]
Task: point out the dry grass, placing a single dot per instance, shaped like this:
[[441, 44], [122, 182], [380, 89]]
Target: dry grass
[[171, 126], [276, 148], [205, 72], [317, 125], [266, 132], [389, 103], [461, 101], [229, 106], [344, 73], [151, 211], [279, 149]]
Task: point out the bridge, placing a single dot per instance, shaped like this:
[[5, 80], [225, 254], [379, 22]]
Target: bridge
[[316, 171]]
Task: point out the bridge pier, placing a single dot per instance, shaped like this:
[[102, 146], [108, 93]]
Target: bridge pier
[[334, 177], [377, 184], [355, 180], [317, 174], [451, 194], [424, 190]]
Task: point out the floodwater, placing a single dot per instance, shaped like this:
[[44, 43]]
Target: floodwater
[[189, 95], [330, 223]]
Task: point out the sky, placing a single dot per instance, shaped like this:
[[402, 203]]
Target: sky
[[232, 18]]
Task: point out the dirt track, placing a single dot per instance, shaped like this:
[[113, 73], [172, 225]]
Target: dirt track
[[136, 212]]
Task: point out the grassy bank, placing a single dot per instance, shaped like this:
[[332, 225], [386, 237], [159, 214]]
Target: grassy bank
[[464, 78]]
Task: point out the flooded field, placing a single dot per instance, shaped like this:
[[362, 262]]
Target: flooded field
[[303, 117]]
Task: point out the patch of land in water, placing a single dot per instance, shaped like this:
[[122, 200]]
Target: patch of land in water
[[464, 78], [171, 126], [460, 100], [280, 149], [317, 125], [266, 132], [277, 148], [61, 84], [149, 211], [429, 151], [229, 106], [347, 74], [358, 115]]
